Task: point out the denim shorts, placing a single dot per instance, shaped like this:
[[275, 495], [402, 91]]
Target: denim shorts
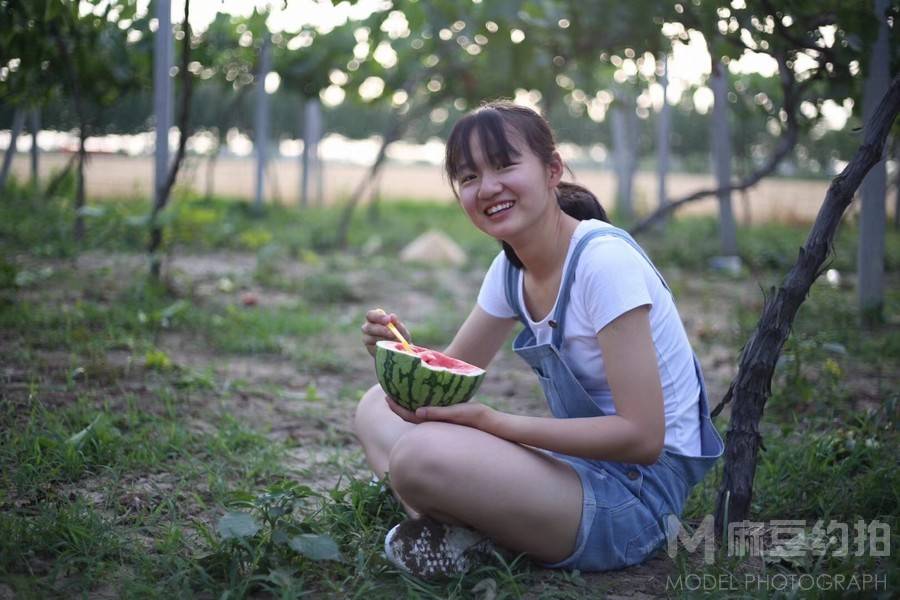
[[624, 512]]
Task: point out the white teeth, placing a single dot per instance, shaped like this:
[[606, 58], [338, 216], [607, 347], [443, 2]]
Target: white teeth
[[497, 208]]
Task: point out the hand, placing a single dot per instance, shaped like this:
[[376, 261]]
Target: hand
[[468, 414], [375, 328]]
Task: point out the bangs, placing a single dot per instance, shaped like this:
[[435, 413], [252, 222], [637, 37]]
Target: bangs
[[495, 145]]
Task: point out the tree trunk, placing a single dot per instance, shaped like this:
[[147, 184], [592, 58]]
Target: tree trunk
[[663, 133], [183, 134], [393, 133], [60, 177], [624, 132], [897, 182], [721, 149], [870, 259], [752, 386], [17, 123], [35, 150], [79, 190], [312, 134], [162, 102], [211, 166], [261, 123]]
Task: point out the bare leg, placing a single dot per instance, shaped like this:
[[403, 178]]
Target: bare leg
[[524, 499], [378, 429]]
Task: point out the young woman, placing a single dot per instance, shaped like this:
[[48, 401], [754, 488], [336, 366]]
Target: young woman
[[592, 487]]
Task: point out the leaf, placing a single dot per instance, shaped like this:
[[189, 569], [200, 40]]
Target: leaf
[[78, 439], [237, 525], [316, 547]]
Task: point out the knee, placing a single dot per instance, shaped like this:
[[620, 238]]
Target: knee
[[367, 409], [423, 461]]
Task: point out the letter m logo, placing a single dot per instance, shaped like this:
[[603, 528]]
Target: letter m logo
[[704, 534]]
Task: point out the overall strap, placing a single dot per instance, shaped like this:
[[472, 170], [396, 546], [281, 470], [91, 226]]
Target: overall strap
[[512, 278], [511, 288], [569, 277]]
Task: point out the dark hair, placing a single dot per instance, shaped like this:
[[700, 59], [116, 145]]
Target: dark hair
[[489, 122]]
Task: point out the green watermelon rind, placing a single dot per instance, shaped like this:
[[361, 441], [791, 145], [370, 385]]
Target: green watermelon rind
[[413, 384]]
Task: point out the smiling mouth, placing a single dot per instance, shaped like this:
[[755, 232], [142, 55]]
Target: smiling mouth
[[498, 208]]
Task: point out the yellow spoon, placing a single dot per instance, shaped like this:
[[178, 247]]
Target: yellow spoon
[[398, 335]]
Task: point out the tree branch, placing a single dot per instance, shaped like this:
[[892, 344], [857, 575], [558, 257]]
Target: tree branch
[[785, 146], [752, 386]]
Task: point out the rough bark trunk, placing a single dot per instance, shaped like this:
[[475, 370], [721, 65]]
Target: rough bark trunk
[[721, 149], [17, 123], [872, 219], [752, 386]]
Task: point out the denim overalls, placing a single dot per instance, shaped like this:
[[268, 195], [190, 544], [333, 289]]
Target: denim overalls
[[625, 508]]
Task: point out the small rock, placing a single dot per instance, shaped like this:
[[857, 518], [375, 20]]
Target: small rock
[[249, 299], [730, 265], [434, 248]]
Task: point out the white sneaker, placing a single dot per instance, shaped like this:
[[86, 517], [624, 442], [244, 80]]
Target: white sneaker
[[426, 548]]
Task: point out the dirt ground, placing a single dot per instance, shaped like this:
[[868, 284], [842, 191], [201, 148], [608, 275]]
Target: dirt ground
[[275, 394]]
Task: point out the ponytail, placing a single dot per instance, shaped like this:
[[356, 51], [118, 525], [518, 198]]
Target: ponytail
[[574, 200]]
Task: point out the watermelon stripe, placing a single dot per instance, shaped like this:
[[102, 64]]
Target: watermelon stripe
[[413, 384]]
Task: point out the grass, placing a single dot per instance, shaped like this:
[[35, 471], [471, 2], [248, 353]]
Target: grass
[[130, 468]]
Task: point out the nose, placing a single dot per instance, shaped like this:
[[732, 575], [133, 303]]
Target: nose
[[489, 186]]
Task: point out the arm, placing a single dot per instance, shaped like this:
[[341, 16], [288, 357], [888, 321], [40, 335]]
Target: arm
[[479, 338], [635, 434]]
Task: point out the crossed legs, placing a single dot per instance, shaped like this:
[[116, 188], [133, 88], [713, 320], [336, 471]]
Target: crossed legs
[[522, 498]]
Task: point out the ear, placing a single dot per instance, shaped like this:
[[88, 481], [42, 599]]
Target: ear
[[555, 169]]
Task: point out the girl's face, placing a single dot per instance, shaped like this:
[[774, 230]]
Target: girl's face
[[505, 200]]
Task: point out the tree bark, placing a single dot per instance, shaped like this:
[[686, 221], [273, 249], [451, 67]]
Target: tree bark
[[752, 386], [721, 148], [17, 123], [872, 220]]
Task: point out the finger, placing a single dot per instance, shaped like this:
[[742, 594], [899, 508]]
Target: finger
[[378, 315], [406, 415]]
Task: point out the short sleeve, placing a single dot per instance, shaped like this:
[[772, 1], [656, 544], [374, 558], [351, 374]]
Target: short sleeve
[[614, 281], [492, 295]]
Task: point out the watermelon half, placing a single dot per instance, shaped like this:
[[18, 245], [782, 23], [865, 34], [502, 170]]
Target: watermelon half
[[424, 377]]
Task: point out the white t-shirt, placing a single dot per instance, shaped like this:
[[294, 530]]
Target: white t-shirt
[[612, 278]]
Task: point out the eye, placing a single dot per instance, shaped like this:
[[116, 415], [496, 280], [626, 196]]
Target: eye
[[466, 177]]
